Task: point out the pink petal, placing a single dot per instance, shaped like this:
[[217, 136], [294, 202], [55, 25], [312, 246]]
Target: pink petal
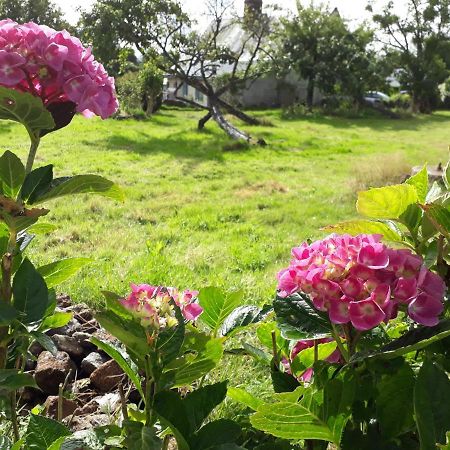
[[339, 310], [426, 309], [192, 311], [374, 256], [366, 314], [405, 289]]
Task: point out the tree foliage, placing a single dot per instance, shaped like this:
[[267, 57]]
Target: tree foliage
[[421, 39], [318, 44], [43, 12]]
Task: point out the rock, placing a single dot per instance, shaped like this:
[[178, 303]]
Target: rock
[[108, 403], [89, 421], [53, 370], [82, 311], [104, 336], [31, 396], [69, 345], [84, 340], [66, 330], [88, 408], [92, 362], [51, 407], [107, 376], [63, 301], [36, 348], [80, 386]]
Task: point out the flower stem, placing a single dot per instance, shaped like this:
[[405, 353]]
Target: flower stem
[[32, 153], [339, 343]]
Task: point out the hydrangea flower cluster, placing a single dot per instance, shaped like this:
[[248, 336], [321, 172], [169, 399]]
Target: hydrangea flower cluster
[[359, 280], [55, 67], [153, 305], [307, 375]]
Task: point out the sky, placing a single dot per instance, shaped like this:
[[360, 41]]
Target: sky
[[353, 10]]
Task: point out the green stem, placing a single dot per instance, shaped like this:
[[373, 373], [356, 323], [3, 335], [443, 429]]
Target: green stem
[[14, 416], [339, 343], [32, 153]]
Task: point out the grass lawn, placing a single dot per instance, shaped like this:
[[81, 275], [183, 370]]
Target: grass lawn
[[196, 215]]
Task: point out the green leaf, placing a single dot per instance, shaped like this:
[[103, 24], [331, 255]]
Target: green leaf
[[7, 314], [201, 354], [26, 109], [247, 399], [36, 182], [395, 394], [420, 182], [306, 358], [283, 381], [412, 341], [439, 216], [42, 432], [12, 379], [242, 317], [45, 341], [298, 319], [122, 362], [42, 228], [57, 444], [129, 332], [355, 227], [217, 306], [56, 320], [81, 184], [446, 175], [141, 437], [264, 334], [290, 421], [30, 293], [200, 403], [172, 413], [170, 340], [215, 434], [431, 400], [388, 202], [59, 271], [12, 171]]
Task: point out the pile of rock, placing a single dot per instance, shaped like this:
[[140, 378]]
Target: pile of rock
[[89, 377]]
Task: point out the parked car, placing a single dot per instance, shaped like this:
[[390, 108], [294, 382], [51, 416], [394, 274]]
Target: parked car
[[376, 98]]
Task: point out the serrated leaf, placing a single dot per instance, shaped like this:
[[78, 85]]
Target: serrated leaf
[[56, 320], [217, 305], [242, 317], [355, 227], [12, 379], [244, 397], [7, 314], [431, 400], [42, 432], [141, 437], [81, 184], [215, 435], [59, 271], [42, 228], [12, 172], [36, 182], [125, 365], [290, 421], [201, 354], [388, 202], [30, 293], [298, 319], [26, 109], [420, 182], [439, 216]]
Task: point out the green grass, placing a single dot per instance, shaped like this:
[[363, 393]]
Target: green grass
[[195, 215]]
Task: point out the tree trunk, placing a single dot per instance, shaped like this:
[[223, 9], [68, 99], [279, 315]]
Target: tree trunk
[[310, 93], [226, 126], [237, 113], [203, 120]]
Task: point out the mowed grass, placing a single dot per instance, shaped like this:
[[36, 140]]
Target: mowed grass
[[195, 215]]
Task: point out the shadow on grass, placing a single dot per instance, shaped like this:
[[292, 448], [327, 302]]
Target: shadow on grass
[[204, 145], [375, 123]]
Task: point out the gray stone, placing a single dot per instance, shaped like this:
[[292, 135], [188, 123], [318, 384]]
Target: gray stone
[[84, 340], [51, 371], [92, 362], [69, 345], [66, 330]]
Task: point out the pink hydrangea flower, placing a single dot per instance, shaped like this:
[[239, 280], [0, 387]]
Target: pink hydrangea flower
[[359, 281], [152, 305], [54, 66]]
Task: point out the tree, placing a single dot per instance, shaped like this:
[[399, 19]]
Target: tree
[[318, 45], [421, 37], [162, 31], [42, 12]]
